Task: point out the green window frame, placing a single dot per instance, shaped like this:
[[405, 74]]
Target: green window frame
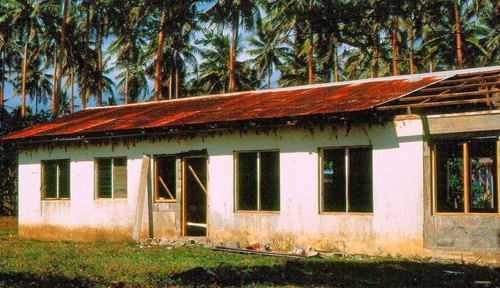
[[346, 180], [466, 176], [56, 179], [257, 180], [111, 177]]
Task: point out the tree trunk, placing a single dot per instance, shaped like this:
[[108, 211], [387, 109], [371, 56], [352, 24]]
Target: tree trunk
[[24, 71], [232, 53], [376, 54], [54, 87], [83, 92], [412, 51], [311, 47], [335, 60], [458, 32], [170, 84], [62, 53], [269, 71], [126, 86], [177, 83], [2, 72], [394, 45], [99, 65], [159, 55], [72, 94]]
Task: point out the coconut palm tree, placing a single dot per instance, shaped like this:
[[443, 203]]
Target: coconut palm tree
[[178, 19], [213, 75], [236, 13], [267, 51], [126, 47]]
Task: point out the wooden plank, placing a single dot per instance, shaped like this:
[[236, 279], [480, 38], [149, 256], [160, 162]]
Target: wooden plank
[[197, 179], [166, 188], [150, 200], [467, 78], [203, 225], [435, 104], [441, 88], [448, 95], [141, 198], [465, 147]]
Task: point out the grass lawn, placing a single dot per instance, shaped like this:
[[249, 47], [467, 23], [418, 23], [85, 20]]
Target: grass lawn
[[26, 263]]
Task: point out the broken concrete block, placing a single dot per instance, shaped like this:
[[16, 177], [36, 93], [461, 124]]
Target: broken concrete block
[[298, 251]]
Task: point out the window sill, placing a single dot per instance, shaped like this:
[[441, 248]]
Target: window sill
[[454, 214], [166, 201], [256, 212], [347, 213], [56, 200]]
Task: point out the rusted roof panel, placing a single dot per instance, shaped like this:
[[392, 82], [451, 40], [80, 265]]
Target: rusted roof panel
[[310, 100]]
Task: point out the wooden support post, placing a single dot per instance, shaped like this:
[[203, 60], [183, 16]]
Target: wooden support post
[[141, 197], [150, 202]]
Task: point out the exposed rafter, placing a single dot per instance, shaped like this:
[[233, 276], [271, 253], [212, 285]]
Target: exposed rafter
[[479, 89]]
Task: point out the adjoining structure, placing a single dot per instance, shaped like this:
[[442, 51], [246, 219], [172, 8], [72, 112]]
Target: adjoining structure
[[401, 165]]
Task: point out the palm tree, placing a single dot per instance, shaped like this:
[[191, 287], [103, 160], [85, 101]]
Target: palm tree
[[179, 17], [32, 23], [127, 48], [488, 18], [159, 53], [86, 6], [61, 56], [18, 13], [9, 56], [238, 13], [268, 52], [214, 76]]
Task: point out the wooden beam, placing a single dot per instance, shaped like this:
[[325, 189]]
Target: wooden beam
[[440, 88], [197, 179], [435, 104], [468, 79], [447, 95], [166, 188], [141, 198]]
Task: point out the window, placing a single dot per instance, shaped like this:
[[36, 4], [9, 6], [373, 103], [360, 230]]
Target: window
[[258, 181], [346, 180], [165, 178], [111, 177], [55, 179], [465, 176]]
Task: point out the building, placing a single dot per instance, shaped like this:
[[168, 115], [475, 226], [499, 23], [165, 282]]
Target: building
[[399, 165]]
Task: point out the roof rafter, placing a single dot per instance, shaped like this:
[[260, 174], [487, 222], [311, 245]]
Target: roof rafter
[[480, 89]]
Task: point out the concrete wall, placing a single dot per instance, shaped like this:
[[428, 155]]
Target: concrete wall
[[395, 226], [474, 236]]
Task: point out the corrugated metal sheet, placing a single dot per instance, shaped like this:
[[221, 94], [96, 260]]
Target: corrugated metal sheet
[[311, 100]]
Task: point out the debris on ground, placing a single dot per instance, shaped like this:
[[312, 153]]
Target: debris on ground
[[230, 246]]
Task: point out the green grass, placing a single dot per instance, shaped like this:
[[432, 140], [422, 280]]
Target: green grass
[[26, 263]]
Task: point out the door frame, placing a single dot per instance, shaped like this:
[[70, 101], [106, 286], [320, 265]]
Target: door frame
[[187, 169]]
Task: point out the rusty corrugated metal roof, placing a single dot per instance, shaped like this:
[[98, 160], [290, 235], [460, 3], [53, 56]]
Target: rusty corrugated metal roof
[[323, 99]]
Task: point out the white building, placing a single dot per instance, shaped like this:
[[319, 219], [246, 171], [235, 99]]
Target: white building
[[399, 165]]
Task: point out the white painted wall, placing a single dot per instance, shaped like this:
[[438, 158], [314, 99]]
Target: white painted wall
[[396, 225]]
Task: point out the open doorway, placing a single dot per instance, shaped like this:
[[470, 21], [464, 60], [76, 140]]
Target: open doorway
[[195, 196]]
